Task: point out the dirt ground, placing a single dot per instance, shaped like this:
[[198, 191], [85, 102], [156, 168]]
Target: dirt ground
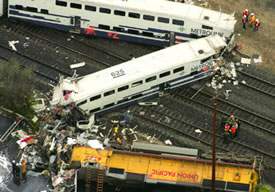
[[261, 42]]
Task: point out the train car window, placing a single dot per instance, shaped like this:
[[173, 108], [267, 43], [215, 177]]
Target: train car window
[[119, 29], [82, 103], [138, 83], [178, 69], [120, 13], [95, 97], [122, 101], [104, 10], [164, 74], [177, 22], [123, 88], [193, 73], [90, 8], [148, 17], [207, 27], [163, 20], [76, 6], [31, 9], [147, 34], [19, 7], [44, 11], [131, 31], [61, 3], [94, 110], [136, 96], [109, 105], [109, 93], [134, 15], [107, 27], [150, 79]]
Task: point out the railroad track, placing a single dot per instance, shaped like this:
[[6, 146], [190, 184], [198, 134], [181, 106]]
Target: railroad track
[[228, 108], [70, 43], [256, 83], [45, 72]]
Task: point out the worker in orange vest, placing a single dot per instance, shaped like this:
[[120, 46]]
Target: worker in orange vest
[[257, 25], [226, 133], [233, 132], [252, 19], [24, 170], [244, 21], [246, 13]]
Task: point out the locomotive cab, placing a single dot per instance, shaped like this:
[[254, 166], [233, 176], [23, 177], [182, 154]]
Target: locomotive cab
[[3, 7]]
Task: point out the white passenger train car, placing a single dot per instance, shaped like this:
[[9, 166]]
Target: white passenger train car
[[142, 78], [155, 22]]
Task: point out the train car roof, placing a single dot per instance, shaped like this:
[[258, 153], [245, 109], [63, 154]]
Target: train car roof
[[154, 148], [174, 9], [153, 63]]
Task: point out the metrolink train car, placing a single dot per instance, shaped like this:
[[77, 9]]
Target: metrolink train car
[[154, 22], [142, 78], [139, 169]]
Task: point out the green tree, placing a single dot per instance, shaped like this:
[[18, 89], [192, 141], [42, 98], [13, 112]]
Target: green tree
[[16, 87]]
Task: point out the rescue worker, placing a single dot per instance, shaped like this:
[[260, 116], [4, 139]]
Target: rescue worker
[[244, 21], [257, 25], [233, 132], [17, 174], [238, 126], [24, 170], [13, 167], [246, 13], [252, 19], [226, 136]]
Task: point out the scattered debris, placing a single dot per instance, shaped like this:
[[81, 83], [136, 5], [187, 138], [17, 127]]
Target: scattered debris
[[245, 61], [81, 64], [168, 142], [12, 44]]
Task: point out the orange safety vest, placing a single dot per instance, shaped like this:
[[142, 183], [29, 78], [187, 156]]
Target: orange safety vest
[[233, 130], [226, 127], [257, 24], [246, 13], [252, 19], [24, 167]]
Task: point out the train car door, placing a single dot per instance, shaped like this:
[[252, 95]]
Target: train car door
[[76, 21], [172, 38], [3, 7], [164, 88]]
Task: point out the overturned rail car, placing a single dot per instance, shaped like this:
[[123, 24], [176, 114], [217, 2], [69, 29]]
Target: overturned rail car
[[122, 168]]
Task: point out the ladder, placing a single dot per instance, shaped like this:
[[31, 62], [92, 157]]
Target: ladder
[[88, 179], [100, 179]]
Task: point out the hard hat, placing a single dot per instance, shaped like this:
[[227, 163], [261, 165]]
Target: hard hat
[[13, 161], [252, 13], [246, 10], [257, 19], [244, 15]]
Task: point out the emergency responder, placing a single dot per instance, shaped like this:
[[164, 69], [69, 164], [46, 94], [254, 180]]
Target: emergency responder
[[233, 131], [244, 21], [257, 25], [238, 123], [17, 174], [252, 20], [24, 170], [13, 167], [246, 13], [226, 134]]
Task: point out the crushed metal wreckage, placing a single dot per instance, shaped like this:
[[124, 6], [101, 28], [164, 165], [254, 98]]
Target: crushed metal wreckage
[[49, 151]]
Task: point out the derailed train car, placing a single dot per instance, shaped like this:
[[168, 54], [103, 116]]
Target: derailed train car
[[139, 169], [154, 22], [142, 78]]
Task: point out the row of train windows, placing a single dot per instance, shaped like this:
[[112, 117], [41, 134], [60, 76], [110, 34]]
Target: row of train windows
[[135, 84], [31, 9], [120, 13]]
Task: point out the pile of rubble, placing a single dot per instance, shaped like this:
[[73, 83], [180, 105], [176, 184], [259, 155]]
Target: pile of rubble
[[49, 151]]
